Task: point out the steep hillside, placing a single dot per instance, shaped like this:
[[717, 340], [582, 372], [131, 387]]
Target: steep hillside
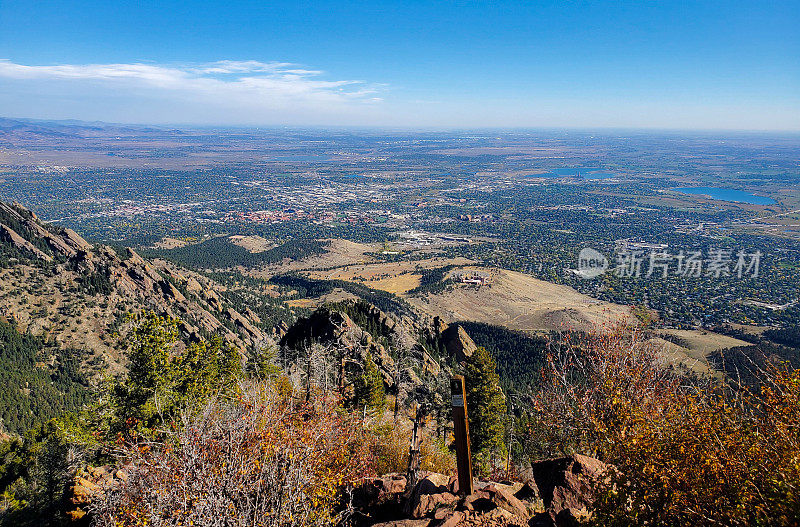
[[72, 297], [31, 390], [414, 356], [519, 301]]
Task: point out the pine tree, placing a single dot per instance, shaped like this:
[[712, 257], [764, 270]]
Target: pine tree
[[161, 381], [261, 362], [369, 387], [486, 405]]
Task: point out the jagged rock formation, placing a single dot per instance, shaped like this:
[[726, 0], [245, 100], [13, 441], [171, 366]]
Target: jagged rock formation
[[10, 235], [344, 341], [87, 486], [409, 352], [458, 343], [54, 282]]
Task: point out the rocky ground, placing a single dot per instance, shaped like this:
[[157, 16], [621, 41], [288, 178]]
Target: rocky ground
[[557, 492]]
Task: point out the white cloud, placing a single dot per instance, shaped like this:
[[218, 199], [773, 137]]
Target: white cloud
[[249, 92], [240, 86]]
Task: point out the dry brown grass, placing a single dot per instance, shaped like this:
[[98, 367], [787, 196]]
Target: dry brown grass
[[170, 243], [254, 244], [394, 277], [519, 301]]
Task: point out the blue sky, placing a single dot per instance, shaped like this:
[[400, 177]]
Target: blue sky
[[681, 64]]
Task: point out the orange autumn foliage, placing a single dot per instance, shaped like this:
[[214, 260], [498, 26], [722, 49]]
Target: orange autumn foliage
[[259, 459], [686, 451]]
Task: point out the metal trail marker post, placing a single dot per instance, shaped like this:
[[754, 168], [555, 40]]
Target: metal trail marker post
[[461, 432]]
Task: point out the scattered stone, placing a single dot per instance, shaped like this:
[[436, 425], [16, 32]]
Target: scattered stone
[[404, 523], [428, 494], [568, 482], [505, 500], [565, 485], [428, 504], [453, 519]]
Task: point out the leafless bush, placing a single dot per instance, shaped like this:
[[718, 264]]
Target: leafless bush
[[256, 460], [585, 380]]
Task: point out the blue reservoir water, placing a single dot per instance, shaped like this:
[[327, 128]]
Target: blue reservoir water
[[727, 194]]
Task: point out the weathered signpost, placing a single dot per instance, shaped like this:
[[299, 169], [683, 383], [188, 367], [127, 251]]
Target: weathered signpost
[[461, 431], [414, 459]]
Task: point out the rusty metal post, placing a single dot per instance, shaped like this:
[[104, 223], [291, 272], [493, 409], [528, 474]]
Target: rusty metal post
[[461, 431]]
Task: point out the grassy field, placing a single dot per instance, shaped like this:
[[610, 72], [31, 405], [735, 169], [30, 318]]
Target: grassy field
[[692, 347], [338, 253], [519, 301], [394, 277], [254, 244]]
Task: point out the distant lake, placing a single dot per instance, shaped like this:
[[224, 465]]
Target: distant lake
[[727, 194]]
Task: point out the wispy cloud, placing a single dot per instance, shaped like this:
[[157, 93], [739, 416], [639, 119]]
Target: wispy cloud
[[253, 85]]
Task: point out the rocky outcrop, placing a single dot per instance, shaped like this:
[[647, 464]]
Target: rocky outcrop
[[88, 485], [244, 324], [458, 343], [75, 240], [193, 285], [323, 325], [434, 501], [57, 243], [64, 242], [408, 351], [568, 482], [429, 364], [10, 235], [429, 493], [347, 342], [561, 494], [155, 285], [280, 330], [252, 315]]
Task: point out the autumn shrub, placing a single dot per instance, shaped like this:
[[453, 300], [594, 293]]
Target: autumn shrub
[[587, 386], [256, 459], [686, 452]]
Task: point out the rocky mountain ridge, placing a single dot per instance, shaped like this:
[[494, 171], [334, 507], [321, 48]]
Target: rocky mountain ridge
[[54, 282], [412, 355]]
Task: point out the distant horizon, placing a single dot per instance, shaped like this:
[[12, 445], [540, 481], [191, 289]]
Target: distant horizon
[[399, 128]]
